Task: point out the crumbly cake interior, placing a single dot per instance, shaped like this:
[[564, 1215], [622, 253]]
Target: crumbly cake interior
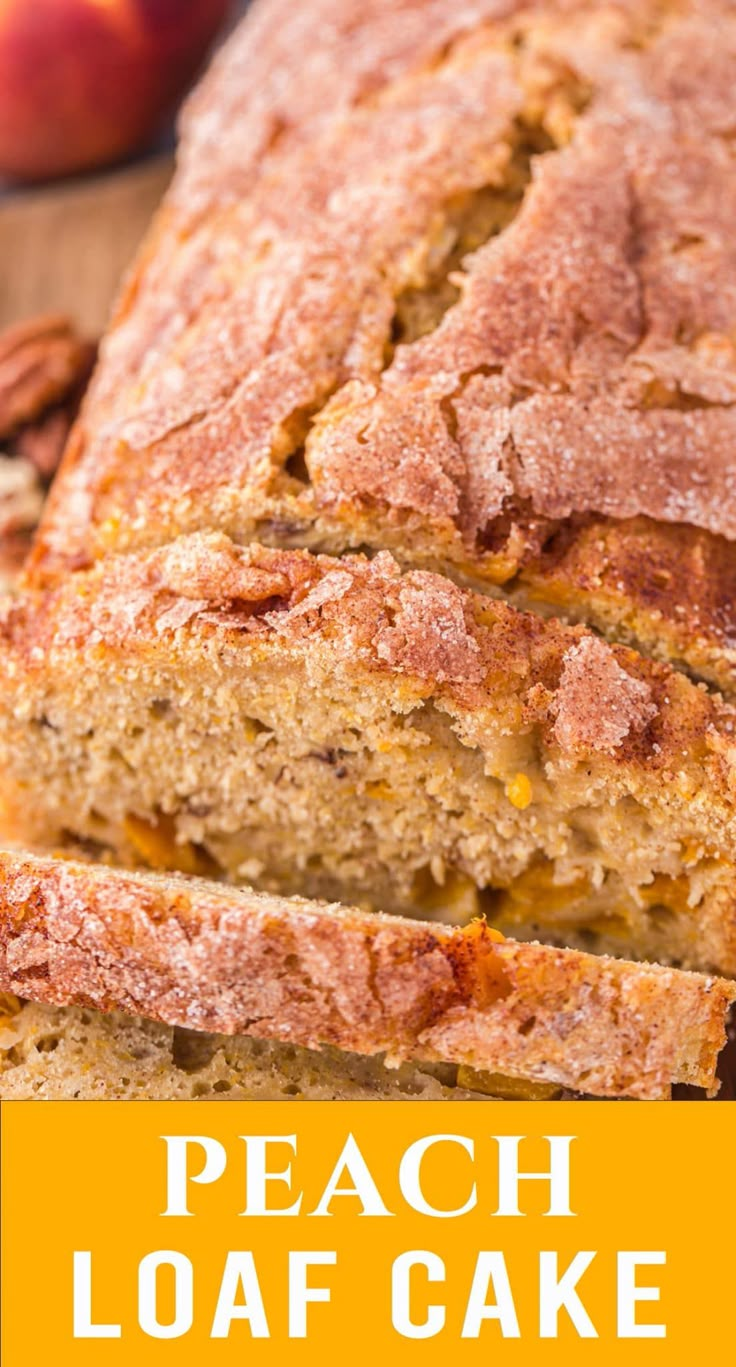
[[302, 788]]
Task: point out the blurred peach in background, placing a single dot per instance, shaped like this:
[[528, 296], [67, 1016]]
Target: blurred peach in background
[[84, 83]]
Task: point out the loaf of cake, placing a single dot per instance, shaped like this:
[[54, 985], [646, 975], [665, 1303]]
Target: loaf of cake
[[391, 561]]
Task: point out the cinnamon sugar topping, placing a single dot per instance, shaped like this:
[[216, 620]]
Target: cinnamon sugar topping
[[598, 703]]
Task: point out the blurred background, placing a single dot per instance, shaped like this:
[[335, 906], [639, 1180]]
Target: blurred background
[[88, 96], [89, 91]]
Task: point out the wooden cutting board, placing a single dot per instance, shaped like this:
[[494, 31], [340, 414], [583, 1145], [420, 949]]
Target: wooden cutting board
[[64, 248]]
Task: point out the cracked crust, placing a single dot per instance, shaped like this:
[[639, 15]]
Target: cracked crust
[[192, 954], [575, 362]]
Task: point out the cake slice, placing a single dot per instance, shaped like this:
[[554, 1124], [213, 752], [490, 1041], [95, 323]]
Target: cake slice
[[342, 730], [191, 953]]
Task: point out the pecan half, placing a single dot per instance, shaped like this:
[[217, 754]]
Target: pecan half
[[42, 362], [44, 369], [42, 443]]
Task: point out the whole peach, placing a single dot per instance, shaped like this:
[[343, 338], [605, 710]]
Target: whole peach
[[86, 82]]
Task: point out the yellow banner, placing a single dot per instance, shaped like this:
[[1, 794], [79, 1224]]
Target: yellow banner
[[190, 1233]]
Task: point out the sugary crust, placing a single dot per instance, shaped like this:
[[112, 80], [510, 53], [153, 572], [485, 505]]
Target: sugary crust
[[586, 367], [669, 590], [598, 704], [189, 953], [482, 656]]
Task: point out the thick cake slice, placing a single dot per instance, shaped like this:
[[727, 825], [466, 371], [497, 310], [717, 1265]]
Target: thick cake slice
[[455, 281], [196, 954], [343, 730]]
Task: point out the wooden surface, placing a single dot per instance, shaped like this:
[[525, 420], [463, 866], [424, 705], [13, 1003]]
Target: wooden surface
[[66, 247]]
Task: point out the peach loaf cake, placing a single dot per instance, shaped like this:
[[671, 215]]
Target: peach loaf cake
[[199, 955], [391, 558]]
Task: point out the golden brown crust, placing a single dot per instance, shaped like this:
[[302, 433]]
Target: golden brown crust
[[581, 361], [189, 953], [667, 590], [598, 703]]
